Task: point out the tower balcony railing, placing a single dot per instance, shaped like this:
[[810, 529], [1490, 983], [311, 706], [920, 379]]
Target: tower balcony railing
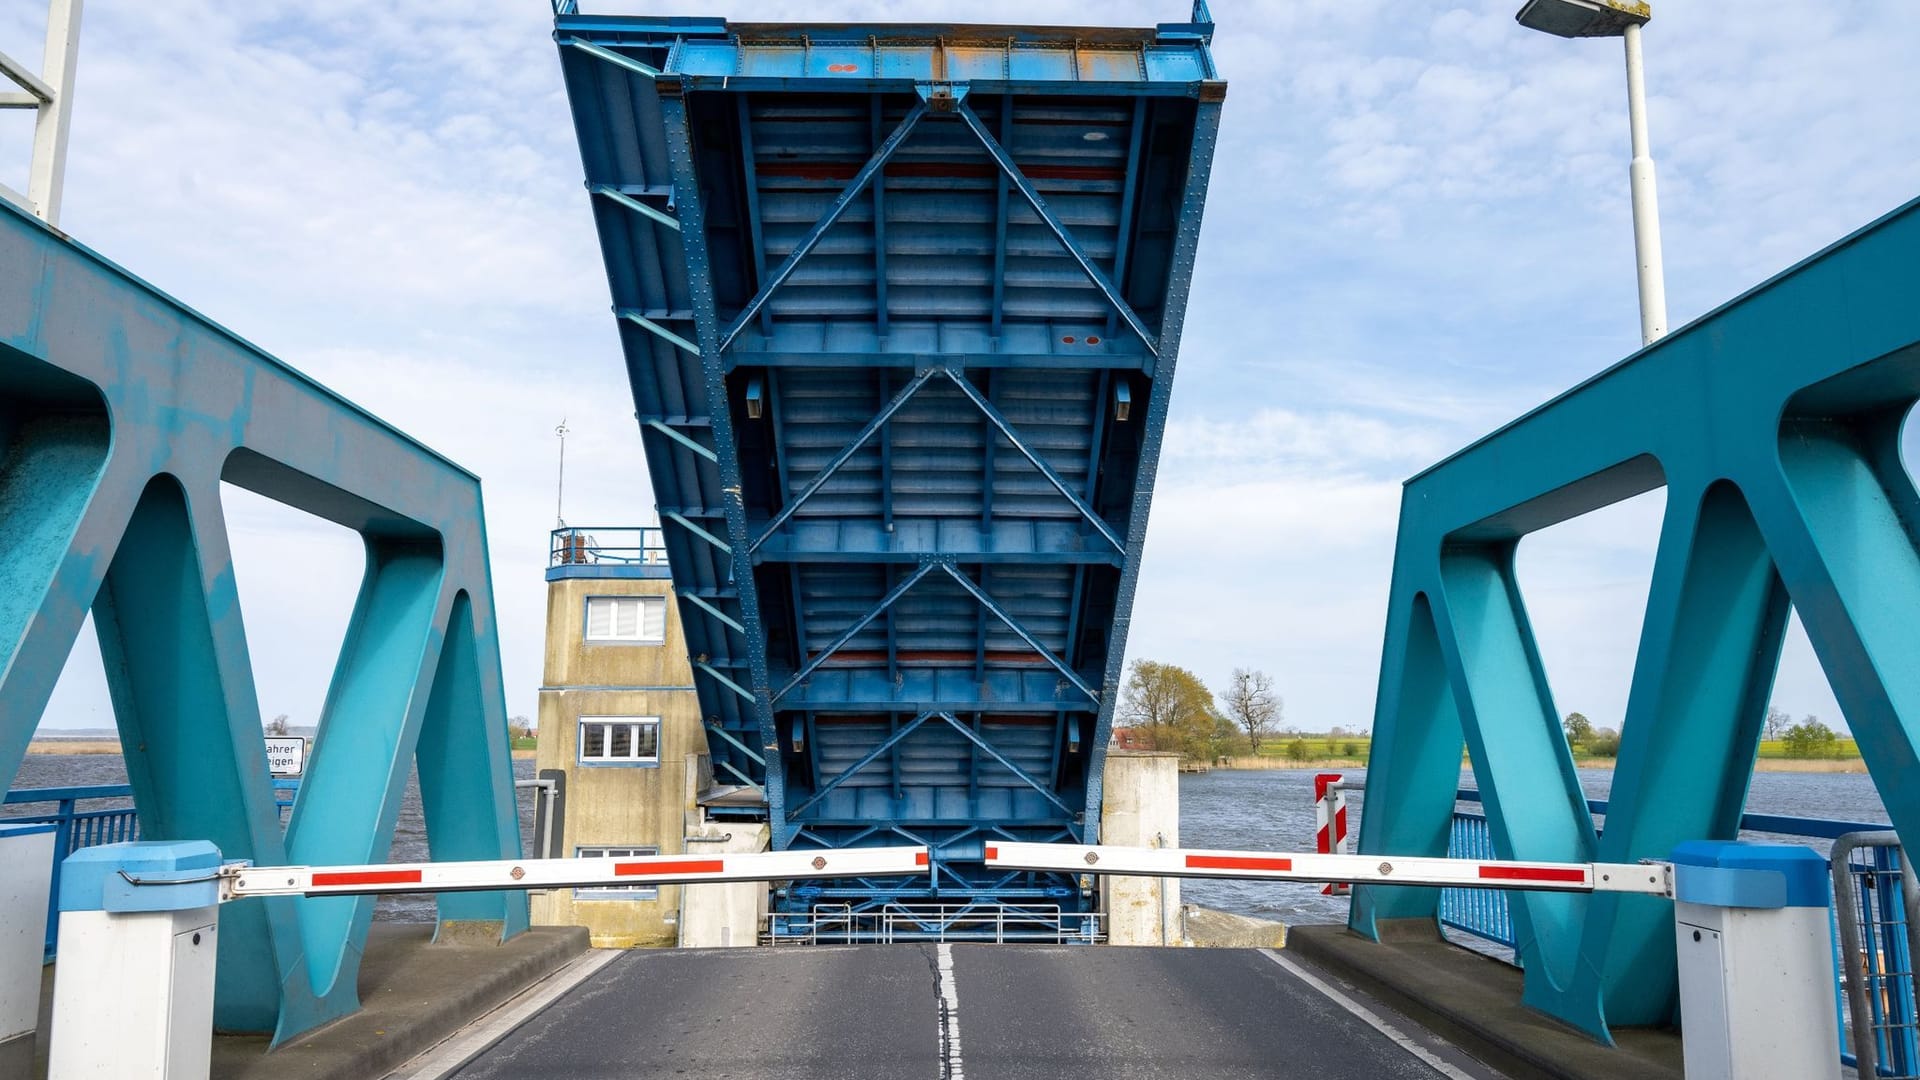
[[607, 545]]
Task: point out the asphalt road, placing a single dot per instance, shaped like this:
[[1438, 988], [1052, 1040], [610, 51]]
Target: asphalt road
[[961, 1012]]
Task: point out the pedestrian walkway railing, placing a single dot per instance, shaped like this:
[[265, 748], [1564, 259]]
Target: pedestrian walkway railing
[[73, 827], [977, 921], [1876, 901]]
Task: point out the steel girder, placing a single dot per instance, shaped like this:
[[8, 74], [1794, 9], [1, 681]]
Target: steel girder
[[121, 412], [1774, 424], [876, 272]]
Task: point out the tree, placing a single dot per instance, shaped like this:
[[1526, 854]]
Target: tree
[[1810, 738], [1170, 706], [277, 726], [1774, 728], [520, 727], [1579, 728], [1251, 705], [1297, 749], [1606, 743]]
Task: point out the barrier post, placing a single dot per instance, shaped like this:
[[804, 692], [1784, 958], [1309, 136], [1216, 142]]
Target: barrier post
[[133, 991], [1330, 824], [1755, 946]]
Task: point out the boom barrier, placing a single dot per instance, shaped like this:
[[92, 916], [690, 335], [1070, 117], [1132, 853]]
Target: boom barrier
[[1653, 878]]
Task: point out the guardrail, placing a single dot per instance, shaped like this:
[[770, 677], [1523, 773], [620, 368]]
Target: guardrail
[[842, 924], [607, 545]]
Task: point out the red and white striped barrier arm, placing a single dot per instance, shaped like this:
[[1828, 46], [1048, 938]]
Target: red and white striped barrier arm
[[239, 881], [1330, 823], [1652, 878]]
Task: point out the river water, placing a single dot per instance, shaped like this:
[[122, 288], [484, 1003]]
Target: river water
[[1269, 809]]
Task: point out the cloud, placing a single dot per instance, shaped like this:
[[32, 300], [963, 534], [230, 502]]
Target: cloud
[[1418, 228]]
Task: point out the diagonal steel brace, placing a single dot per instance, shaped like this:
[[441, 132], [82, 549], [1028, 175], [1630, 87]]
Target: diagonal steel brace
[[1006, 429], [859, 624], [819, 231], [1018, 773], [867, 759], [1053, 223], [1000, 613], [845, 455]]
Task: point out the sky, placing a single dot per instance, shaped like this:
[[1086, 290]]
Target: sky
[[1418, 228]]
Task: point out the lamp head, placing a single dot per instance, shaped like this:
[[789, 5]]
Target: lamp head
[[1583, 18]]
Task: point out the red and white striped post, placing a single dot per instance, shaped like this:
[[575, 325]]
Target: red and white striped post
[[1330, 823]]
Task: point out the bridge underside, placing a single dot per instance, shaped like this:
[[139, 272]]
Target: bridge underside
[[900, 308]]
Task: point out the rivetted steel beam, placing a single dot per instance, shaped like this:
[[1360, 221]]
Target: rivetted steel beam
[[819, 231], [657, 330], [723, 680], [713, 611], [866, 759], [1013, 624], [682, 440], [1018, 773], [758, 758], [859, 624], [677, 519], [1054, 224], [846, 454], [1006, 429]]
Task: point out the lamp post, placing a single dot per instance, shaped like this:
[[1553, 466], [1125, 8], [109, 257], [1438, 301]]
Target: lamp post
[[1622, 19]]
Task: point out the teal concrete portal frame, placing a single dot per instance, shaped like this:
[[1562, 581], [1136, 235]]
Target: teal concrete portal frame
[[121, 411], [1774, 423]]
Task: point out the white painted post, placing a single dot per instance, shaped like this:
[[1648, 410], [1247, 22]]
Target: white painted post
[[27, 853], [1755, 949], [1646, 202], [133, 991]]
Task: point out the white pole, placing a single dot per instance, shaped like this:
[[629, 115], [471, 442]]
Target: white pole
[[50, 129], [1646, 202]]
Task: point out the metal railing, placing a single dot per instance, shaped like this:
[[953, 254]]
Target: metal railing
[[607, 546], [73, 829], [842, 924], [1876, 906], [1480, 912]]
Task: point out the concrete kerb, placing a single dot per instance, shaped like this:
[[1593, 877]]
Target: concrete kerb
[[1473, 1001], [414, 995]]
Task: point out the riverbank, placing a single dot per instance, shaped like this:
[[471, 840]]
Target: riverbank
[[1779, 765], [111, 746]]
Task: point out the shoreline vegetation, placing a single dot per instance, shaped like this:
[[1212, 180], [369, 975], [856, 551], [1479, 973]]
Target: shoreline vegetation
[[1764, 764], [112, 746]]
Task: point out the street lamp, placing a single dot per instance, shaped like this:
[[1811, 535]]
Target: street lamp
[[1622, 19]]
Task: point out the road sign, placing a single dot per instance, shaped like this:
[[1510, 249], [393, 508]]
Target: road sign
[[286, 756]]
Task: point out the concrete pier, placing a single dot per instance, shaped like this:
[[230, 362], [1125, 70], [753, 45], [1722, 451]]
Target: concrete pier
[[1141, 808]]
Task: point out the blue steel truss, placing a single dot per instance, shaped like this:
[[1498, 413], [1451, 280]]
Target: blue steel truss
[[888, 295], [1774, 424], [121, 412]]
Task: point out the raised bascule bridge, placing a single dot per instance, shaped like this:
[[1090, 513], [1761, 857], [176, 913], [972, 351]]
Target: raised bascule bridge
[[901, 307]]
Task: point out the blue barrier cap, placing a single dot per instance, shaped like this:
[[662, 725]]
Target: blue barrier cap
[[1727, 873], [147, 875]]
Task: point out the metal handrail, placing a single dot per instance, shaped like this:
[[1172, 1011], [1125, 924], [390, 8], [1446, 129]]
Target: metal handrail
[[607, 545], [1846, 908]]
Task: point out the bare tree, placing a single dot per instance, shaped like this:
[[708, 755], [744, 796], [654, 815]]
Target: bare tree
[[1251, 704], [1776, 725], [278, 725]]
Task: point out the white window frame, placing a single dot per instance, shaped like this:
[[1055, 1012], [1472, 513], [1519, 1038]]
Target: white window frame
[[605, 756], [615, 892], [613, 636]]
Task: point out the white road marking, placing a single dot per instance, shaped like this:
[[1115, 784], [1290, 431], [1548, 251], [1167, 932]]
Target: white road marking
[[1371, 1019], [448, 1057], [950, 1066]]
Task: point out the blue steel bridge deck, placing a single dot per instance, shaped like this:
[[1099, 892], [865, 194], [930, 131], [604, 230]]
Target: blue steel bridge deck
[[900, 307]]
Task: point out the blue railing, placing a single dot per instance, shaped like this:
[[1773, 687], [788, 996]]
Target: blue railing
[[74, 828], [1881, 914], [618, 545]]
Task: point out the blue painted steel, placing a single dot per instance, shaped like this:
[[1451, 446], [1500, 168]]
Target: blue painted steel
[[1774, 424], [74, 829], [121, 413], [1739, 873], [881, 268]]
